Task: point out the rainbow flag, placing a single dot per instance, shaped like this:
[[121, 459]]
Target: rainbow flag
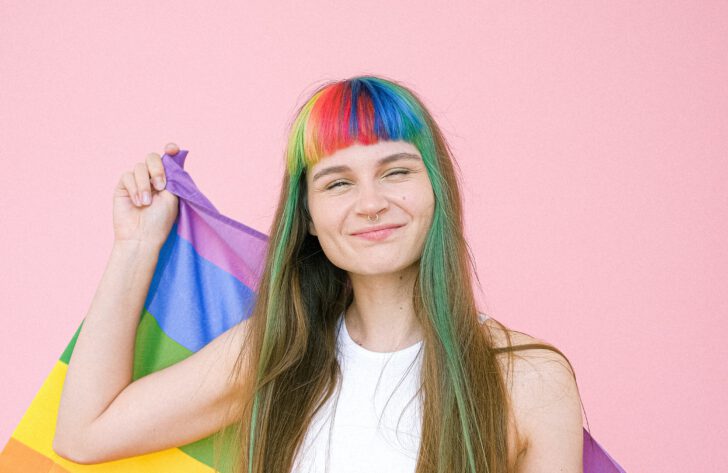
[[204, 283]]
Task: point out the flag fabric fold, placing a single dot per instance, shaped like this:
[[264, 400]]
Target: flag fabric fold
[[204, 283]]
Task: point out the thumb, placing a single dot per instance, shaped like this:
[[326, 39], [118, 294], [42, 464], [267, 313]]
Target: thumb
[[171, 149]]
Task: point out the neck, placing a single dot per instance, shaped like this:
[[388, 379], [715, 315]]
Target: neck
[[381, 317]]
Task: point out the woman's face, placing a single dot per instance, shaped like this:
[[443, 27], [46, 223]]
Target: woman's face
[[386, 178]]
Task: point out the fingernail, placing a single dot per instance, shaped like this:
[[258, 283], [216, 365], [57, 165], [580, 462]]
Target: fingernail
[[158, 183], [145, 197]]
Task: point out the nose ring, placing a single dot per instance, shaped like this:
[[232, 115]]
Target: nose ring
[[369, 217]]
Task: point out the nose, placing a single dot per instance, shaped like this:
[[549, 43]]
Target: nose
[[370, 200]]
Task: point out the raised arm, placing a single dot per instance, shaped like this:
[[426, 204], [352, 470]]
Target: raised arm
[[103, 415]]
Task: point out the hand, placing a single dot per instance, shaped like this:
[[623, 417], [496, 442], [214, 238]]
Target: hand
[[146, 221]]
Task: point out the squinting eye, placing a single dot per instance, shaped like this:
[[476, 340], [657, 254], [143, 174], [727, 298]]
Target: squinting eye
[[335, 185]]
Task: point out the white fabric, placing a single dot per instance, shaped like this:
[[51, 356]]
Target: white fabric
[[357, 443]]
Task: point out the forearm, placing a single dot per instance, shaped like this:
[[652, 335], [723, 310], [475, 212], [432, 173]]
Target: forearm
[[102, 361]]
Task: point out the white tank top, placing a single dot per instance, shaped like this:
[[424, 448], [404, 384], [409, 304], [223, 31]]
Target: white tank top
[[370, 432]]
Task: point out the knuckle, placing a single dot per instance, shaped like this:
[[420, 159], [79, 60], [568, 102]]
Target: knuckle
[[143, 183], [155, 164], [140, 169], [130, 183]]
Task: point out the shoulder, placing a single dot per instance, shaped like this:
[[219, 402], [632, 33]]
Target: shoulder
[[545, 401]]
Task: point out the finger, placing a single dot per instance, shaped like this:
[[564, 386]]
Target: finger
[[141, 176], [128, 183], [156, 170], [171, 149]]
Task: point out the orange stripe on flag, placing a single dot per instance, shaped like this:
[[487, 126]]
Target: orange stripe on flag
[[17, 457]]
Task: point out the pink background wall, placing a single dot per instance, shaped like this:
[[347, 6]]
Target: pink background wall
[[592, 141]]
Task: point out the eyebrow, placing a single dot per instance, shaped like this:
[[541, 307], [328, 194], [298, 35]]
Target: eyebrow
[[385, 160]]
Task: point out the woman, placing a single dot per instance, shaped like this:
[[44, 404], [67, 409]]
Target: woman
[[366, 265]]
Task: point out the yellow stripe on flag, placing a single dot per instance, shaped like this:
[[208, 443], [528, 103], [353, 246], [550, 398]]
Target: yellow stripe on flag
[[37, 428]]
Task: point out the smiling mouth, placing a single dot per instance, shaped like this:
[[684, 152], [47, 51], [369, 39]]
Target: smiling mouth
[[378, 235]]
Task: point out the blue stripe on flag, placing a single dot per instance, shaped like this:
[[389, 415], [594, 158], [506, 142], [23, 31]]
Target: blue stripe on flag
[[198, 301]]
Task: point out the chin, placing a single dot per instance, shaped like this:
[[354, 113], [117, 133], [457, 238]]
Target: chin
[[370, 269]]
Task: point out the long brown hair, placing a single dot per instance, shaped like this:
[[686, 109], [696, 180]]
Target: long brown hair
[[287, 368]]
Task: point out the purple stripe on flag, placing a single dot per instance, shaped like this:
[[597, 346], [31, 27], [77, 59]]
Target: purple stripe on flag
[[234, 248], [596, 459]]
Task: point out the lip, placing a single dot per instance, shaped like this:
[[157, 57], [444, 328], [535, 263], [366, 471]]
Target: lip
[[378, 233], [376, 228]]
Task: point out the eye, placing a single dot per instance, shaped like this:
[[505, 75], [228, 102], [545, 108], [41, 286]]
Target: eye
[[335, 184]]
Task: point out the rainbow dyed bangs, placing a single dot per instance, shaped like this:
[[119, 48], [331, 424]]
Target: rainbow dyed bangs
[[361, 110]]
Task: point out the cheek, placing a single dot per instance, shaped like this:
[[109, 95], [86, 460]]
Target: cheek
[[419, 200], [325, 222]]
